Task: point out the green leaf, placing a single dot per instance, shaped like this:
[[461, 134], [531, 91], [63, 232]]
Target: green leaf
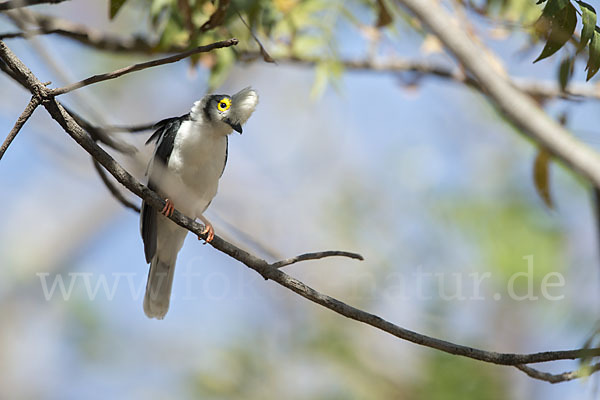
[[562, 26], [565, 72], [541, 176], [173, 34], [115, 6], [383, 15], [321, 79], [588, 19], [326, 72], [553, 7], [594, 60]]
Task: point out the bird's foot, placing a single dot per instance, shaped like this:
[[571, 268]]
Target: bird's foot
[[209, 231], [168, 209]]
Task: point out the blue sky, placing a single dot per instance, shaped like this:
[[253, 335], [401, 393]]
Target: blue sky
[[395, 152]]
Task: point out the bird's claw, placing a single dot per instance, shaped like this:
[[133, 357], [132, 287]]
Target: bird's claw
[[168, 209], [209, 231]]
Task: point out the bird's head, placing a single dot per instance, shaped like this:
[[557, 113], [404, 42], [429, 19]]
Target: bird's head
[[227, 112]]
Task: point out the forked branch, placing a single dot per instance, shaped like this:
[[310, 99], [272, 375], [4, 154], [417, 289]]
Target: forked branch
[[138, 67], [10, 4], [266, 270], [33, 103]]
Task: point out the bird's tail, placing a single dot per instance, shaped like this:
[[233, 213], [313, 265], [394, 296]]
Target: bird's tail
[[158, 288]]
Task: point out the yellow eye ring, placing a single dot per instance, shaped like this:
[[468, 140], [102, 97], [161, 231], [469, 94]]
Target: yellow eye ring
[[224, 104]]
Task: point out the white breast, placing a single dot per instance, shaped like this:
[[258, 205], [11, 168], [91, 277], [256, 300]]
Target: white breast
[[197, 161]]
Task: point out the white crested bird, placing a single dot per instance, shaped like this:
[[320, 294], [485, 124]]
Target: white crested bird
[[189, 158]]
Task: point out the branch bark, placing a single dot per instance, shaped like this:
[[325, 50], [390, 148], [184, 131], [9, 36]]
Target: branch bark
[[102, 135], [518, 107], [29, 109], [266, 270], [107, 42], [104, 41], [10, 4], [423, 68], [557, 378], [315, 256], [46, 24], [217, 17], [138, 67], [113, 189]]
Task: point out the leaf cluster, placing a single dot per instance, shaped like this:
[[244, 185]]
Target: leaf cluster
[[557, 25], [305, 29]]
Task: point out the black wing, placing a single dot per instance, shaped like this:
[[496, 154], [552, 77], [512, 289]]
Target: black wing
[[165, 138], [226, 154], [163, 125]]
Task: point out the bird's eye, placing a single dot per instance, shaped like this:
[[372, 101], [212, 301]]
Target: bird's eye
[[224, 104]]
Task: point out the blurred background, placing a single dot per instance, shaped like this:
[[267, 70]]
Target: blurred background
[[419, 174]]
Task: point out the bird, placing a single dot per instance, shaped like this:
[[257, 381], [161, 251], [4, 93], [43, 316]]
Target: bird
[[189, 159]]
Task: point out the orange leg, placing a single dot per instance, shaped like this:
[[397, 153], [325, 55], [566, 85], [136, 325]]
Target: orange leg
[[208, 229], [167, 211]]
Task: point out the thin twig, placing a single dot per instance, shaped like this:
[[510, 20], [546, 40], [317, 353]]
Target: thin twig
[[102, 135], [97, 39], [557, 378], [259, 265], [109, 42], [263, 52], [13, 35], [98, 133], [10, 4], [83, 34], [17, 78], [19, 17], [141, 66], [47, 24], [217, 17], [316, 256], [268, 272], [423, 68], [113, 189], [29, 109], [128, 128], [246, 237]]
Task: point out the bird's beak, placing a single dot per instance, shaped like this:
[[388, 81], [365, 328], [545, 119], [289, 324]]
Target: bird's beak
[[237, 126]]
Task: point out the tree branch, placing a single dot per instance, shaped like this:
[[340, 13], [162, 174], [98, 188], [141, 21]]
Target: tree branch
[[29, 109], [217, 17], [127, 128], [96, 39], [107, 42], [266, 270], [10, 4], [113, 189], [424, 68], [557, 378], [263, 52], [138, 67], [316, 256], [100, 40], [516, 106], [46, 24], [102, 135]]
